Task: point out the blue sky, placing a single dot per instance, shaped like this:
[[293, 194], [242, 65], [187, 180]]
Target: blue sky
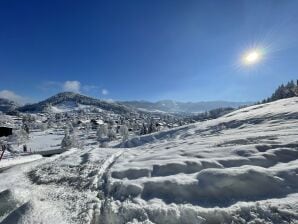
[[146, 49]]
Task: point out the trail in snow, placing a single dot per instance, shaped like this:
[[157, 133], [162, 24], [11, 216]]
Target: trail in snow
[[69, 182], [101, 186]]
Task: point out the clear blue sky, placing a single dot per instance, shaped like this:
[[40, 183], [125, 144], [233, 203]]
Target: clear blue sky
[[147, 49]]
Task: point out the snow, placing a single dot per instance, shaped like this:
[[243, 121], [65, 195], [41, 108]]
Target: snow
[[5, 163], [239, 168], [248, 157], [40, 143], [58, 189], [151, 110], [45, 140], [70, 106]]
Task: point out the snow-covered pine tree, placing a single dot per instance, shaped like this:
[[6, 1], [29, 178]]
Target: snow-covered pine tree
[[123, 132], [111, 134], [101, 132]]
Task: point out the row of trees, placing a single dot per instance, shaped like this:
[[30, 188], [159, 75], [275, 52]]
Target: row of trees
[[104, 132], [284, 91], [148, 129]]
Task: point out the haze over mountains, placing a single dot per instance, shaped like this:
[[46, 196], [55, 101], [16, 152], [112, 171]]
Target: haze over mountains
[[171, 106]]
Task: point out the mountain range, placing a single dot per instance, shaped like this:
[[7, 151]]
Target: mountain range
[[70, 99], [73, 100]]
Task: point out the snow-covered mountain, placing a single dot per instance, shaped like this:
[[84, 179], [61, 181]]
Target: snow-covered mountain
[[66, 101], [171, 106], [239, 168]]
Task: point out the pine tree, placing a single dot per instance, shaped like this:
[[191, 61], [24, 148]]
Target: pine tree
[[111, 134], [152, 128], [144, 130], [284, 91]]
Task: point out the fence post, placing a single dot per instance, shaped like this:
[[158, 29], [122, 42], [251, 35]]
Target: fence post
[[3, 150]]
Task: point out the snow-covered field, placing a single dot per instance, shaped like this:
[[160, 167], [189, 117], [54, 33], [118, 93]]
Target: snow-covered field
[[40, 143], [45, 140], [240, 168]]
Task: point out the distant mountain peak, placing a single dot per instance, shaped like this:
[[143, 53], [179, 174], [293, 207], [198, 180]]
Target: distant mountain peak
[[66, 97]]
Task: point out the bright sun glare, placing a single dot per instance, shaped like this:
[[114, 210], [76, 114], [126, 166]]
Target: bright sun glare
[[251, 57]]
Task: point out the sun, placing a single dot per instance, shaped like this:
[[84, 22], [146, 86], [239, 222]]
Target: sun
[[252, 57]]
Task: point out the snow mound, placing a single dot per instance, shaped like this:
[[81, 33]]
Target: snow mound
[[159, 213]]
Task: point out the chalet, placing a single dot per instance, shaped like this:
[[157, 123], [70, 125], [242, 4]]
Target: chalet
[[5, 131], [94, 123]]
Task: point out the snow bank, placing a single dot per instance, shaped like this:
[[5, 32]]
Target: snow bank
[[5, 163], [159, 213]]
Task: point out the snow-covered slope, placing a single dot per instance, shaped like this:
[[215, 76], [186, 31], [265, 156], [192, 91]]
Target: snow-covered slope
[[240, 168], [69, 106]]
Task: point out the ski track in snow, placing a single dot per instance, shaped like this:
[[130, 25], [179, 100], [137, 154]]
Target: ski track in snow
[[71, 182], [240, 168]]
